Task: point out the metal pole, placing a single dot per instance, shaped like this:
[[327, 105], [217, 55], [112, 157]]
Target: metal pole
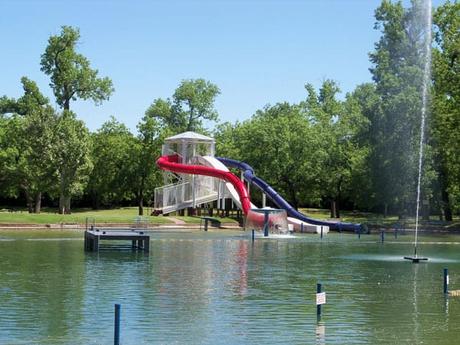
[[382, 236], [253, 234], [446, 281], [266, 224], [321, 232], [116, 340], [318, 306], [301, 227]]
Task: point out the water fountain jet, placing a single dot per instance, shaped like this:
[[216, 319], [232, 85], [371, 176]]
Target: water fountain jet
[[426, 78]]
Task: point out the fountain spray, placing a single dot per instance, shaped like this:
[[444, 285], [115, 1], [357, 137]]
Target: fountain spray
[[426, 81]]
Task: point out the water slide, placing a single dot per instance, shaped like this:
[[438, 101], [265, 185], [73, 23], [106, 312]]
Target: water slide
[[171, 163], [248, 173]]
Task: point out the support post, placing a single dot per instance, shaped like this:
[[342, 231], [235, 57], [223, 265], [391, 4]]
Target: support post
[[446, 281], [116, 338], [264, 200], [147, 244], [253, 235], [265, 224], [382, 236], [193, 192], [301, 227], [321, 232]]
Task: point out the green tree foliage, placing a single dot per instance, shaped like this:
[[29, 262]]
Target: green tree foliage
[[26, 159], [71, 157], [309, 151], [280, 145], [144, 176], [70, 72], [192, 102], [109, 181], [398, 75], [341, 154], [446, 103]]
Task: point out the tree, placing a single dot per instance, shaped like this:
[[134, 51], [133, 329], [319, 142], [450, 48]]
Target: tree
[[71, 156], [192, 102], [70, 72], [279, 144], [109, 180], [398, 75], [27, 144], [446, 104], [340, 153], [145, 177]]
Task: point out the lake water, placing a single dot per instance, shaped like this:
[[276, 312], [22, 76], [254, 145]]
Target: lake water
[[219, 288]]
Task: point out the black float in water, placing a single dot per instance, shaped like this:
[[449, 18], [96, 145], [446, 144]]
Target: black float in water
[[415, 259]]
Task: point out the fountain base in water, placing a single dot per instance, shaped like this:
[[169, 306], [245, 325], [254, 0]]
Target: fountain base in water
[[415, 259]]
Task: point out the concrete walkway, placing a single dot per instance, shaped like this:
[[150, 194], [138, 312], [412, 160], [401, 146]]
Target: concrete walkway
[[176, 221]]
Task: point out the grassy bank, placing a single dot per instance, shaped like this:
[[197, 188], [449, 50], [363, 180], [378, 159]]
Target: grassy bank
[[128, 215], [78, 216], [378, 220]]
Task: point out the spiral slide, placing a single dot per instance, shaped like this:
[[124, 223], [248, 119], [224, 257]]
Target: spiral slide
[[248, 173]]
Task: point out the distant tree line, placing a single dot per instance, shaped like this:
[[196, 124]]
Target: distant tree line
[[356, 152]]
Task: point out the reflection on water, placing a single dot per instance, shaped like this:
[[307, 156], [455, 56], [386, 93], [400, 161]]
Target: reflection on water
[[220, 288]]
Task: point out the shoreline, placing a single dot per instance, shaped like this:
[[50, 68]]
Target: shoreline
[[79, 226], [192, 226]]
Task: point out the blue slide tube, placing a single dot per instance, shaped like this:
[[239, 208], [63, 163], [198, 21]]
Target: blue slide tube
[[278, 200]]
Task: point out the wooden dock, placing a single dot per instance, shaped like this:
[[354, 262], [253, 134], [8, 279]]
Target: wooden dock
[[93, 237]]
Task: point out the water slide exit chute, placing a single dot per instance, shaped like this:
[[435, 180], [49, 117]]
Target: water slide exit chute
[[249, 175]]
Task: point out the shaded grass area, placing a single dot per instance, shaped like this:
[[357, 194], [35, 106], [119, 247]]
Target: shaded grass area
[[78, 216]]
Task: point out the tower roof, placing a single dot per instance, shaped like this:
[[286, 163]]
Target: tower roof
[[190, 136]]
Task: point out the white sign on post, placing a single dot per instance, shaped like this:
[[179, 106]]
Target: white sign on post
[[320, 298]]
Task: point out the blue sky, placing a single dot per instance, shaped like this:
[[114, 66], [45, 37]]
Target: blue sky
[[257, 52]]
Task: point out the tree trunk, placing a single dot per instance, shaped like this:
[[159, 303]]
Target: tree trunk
[[29, 201], [67, 104], [447, 210], [335, 209], [38, 202], [67, 204], [64, 204], [295, 202], [445, 200], [141, 203], [425, 210], [61, 206]]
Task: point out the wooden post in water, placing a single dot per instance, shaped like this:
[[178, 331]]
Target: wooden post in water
[[116, 338]]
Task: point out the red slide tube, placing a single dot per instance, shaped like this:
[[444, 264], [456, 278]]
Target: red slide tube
[[170, 163]]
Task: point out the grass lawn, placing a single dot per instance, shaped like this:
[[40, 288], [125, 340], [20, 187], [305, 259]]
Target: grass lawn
[[129, 214], [375, 219], [119, 215]]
